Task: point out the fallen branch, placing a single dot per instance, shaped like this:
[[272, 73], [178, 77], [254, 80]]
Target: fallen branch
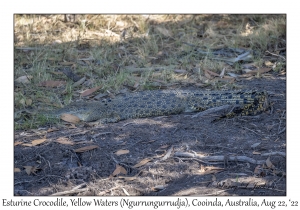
[[74, 190], [213, 194], [70, 192], [196, 159], [276, 55], [107, 191], [219, 158], [232, 184], [130, 69], [274, 153]]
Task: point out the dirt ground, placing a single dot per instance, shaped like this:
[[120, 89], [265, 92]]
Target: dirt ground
[[251, 152]]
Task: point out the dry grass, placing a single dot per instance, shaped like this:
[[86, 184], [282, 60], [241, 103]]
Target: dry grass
[[132, 52]]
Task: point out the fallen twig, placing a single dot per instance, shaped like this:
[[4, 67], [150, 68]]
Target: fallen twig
[[281, 131], [99, 134], [276, 55], [168, 153], [274, 153], [214, 194], [252, 131], [130, 69], [106, 191], [70, 192], [220, 158], [196, 159]]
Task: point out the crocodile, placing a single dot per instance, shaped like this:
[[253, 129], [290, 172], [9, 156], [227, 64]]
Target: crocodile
[[165, 102]]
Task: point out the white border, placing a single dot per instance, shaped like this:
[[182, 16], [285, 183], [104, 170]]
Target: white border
[[153, 6]]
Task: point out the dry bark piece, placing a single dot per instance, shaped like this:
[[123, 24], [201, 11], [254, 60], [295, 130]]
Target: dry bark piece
[[67, 63], [31, 169], [52, 129], [260, 71], [158, 188], [211, 73], [210, 170], [119, 170], [89, 91], [207, 75], [168, 154], [17, 143], [79, 82], [142, 162], [37, 142], [17, 170], [269, 163], [64, 140], [122, 152], [34, 142], [87, 148]]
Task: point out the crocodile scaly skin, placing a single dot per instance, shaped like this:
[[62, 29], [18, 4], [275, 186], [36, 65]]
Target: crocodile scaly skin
[[165, 102]]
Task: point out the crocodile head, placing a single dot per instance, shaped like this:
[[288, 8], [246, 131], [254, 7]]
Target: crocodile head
[[80, 109]]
